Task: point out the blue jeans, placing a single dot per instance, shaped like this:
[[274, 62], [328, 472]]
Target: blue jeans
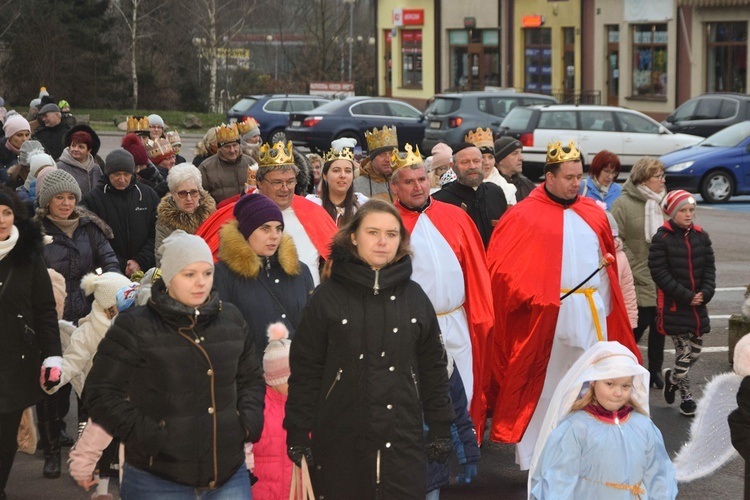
[[138, 484]]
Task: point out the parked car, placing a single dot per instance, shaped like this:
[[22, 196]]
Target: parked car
[[717, 168], [351, 117], [449, 117], [626, 132], [272, 111], [707, 114]]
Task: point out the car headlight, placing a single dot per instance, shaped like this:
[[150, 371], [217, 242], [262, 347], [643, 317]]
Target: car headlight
[[679, 167]]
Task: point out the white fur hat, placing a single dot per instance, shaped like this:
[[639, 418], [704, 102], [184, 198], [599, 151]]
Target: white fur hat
[[104, 287]]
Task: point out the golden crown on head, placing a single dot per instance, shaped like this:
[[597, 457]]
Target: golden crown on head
[[381, 138], [276, 155], [339, 154], [227, 133], [481, 138], [159, 148], [174, 137], [556, 153], [137, 125], [247, 125], [406, 159]]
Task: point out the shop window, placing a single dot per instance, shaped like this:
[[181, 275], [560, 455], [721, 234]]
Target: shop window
[[650, 60], [726, 66], [411, 59], [538, 60]]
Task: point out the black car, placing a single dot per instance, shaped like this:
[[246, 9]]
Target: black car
[[450, 117], [271, 111], [351, 117], [707, 114]]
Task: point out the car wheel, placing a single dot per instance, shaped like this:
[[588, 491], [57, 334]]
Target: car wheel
[[717, 186], [278, 136]]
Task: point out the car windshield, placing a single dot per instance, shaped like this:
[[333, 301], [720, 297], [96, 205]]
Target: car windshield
[[243, 104], [517, 119], [729, 137], [443, 106]]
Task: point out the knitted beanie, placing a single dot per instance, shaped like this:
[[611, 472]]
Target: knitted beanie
[[133, 145], [38, 161], [441, 155], [28, 149], [674, 200], [15, 124], [120, 160], [155, 120], [254, 210], [179, 250], [505, 146], [104, 286], [58, 181], [276, 356]]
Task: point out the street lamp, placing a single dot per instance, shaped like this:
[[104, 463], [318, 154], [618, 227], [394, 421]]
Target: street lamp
[[350, 38]]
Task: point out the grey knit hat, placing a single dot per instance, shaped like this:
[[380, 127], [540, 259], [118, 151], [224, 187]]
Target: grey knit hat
[[179, 250], [119, 160], [58, 181]]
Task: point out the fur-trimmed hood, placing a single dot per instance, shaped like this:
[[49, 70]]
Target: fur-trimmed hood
[[169, 214], [305, 175], [83, 213], [235, 252]]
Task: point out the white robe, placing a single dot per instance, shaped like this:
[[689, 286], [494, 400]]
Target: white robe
[[305, 249], [438, 272], [575, 331]]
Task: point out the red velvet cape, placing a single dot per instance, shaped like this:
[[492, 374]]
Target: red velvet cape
[[525, 263], [461, 234]]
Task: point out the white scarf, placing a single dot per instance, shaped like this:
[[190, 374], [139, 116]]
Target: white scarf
[[653, 214], [7, 245]]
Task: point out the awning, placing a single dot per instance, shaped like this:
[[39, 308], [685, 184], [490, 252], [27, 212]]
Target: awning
[[714, 3]]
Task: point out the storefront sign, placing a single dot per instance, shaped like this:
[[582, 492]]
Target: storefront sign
[[331, 88], [532, 21], [408, 17], [470, 22]]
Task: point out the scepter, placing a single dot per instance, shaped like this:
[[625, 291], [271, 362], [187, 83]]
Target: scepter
[[606, 261]]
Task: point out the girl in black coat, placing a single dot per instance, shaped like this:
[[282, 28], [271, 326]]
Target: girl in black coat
[[369, 370], [27, 313], [682, 265]]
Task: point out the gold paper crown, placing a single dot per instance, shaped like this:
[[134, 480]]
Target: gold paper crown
[[556, 154], [247, 125], [481, 138], [159, 149], [385, 138], [399, 161], [137, 125], [339, 154], [277, 155], [174, 137], [227, 133]]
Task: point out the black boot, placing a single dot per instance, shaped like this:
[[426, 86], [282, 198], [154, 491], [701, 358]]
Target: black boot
[[6, 462], [49, 433]]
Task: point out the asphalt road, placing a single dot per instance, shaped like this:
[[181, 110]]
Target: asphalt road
[[729, 228]]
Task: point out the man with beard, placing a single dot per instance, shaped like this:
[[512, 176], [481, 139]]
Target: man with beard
[[510, 164], [484, 201], [224, 174]]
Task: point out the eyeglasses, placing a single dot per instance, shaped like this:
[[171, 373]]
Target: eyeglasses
[[193, 193], [611, 173], [661, 176], [279, 184]]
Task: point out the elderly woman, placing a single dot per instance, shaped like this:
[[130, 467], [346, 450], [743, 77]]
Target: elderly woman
[[78, 158], [601, 185], [638, 214], [337, 194], [369, 369], [186, 205], [179, 382]]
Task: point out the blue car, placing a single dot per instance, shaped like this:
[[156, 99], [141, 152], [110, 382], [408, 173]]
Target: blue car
[[717, 167]]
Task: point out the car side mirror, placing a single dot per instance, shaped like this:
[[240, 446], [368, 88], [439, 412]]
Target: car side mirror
[[663, 130]]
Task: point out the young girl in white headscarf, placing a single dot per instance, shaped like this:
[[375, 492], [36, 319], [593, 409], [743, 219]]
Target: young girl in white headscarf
[[601, 444]]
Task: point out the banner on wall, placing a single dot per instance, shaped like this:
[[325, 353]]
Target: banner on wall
[[648, 10]]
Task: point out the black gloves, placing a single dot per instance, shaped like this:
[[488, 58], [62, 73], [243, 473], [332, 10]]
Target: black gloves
[[297, 452], [439, 449]]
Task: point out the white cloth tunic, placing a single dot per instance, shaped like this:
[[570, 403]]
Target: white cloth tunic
[[575, 331], [306, 251], [437, 270]]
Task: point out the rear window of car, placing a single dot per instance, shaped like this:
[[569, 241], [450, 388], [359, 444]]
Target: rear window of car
[[518, 119], [244, 104], [443, 106], [597, 120], [559, 120], [530, 101], [302, 105], [370, 108], [277, 105]]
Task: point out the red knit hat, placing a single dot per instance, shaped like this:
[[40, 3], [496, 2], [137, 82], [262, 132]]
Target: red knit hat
[[133, 145], [674, 200]]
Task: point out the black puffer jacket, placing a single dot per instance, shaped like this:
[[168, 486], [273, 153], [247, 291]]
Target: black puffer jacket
[[682, 264], [77, 256], [28, 300], [368, 367], [181, 387]]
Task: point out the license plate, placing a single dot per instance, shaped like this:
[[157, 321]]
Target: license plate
[[296, 123], [435, 124]]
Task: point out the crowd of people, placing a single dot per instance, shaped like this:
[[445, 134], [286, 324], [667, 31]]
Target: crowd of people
[[230, 321]]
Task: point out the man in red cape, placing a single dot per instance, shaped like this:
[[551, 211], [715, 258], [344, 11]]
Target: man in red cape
[[449, 264], [542, 248]]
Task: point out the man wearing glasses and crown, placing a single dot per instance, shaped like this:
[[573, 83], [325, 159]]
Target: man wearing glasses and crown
[[542, 250]]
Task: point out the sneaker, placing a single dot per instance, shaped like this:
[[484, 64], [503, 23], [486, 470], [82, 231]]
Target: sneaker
[[687, 407], [670, 388]]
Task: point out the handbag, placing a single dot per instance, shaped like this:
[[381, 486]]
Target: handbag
[[301, 484], [27, 436]]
